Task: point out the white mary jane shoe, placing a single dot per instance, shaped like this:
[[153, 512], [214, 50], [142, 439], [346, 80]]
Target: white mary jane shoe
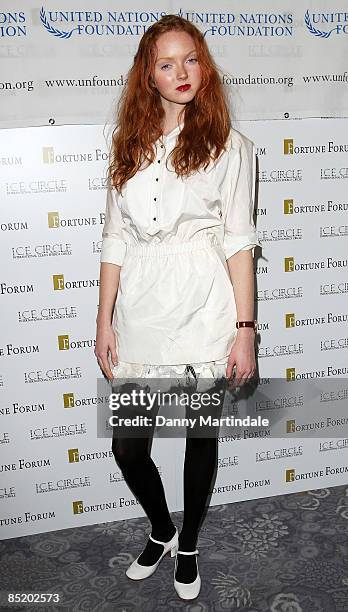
[[187, 590], [136, 571]]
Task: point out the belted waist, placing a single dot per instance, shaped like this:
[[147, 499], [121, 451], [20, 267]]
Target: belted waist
[[165, 248]]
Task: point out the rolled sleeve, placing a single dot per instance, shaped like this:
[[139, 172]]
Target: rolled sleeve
[[114, 247], [238, 198]]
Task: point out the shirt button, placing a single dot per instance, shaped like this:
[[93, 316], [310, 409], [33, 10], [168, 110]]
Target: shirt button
[[162, 146], [154, 218], [159, 161], [155, 199], [157, 179]]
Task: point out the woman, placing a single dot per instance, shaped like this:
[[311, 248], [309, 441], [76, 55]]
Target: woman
[[177, 251]]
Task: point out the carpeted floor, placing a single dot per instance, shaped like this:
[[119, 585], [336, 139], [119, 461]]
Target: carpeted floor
[[280, 554]]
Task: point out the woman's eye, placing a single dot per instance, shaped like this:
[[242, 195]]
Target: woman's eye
[[192, 59]]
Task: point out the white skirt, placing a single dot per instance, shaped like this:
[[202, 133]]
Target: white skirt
[[175, 304]]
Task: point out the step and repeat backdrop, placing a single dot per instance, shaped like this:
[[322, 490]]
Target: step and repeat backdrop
[[65, 63], [289, 95]]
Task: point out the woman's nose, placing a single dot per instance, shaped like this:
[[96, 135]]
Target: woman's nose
[[182, 73]]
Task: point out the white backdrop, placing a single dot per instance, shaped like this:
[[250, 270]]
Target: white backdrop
[[54, 470]]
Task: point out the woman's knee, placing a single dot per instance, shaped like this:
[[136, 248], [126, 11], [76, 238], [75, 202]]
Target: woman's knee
[[201, 445], [128, 451]]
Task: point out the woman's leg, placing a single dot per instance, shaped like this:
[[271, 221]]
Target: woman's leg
[[200, 469], [143, 478], [141, 475]]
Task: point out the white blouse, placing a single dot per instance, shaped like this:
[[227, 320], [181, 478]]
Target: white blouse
[[172, 236]]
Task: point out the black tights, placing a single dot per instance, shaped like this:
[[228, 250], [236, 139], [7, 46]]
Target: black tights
[[143, 478]]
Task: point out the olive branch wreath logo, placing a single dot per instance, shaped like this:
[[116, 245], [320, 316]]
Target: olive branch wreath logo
[[313, 30], [51, 29], [62, 34]]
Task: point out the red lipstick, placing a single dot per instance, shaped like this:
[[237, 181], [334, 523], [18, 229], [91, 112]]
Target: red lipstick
[[184, 87]]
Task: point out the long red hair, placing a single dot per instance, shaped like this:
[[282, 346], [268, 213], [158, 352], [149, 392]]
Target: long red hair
[[140, 113]]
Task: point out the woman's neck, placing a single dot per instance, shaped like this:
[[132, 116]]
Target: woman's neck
[[169, 127]]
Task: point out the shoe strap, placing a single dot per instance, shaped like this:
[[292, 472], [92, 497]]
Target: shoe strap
[[159, 542], [181, 552]]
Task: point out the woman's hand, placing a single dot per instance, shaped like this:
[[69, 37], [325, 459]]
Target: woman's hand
[[242, 356], [105, 342]]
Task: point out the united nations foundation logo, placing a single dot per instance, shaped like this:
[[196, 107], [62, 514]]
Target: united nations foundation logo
[[337, 19]]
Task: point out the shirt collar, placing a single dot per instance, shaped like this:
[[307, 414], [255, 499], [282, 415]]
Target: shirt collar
[[173, 133]]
